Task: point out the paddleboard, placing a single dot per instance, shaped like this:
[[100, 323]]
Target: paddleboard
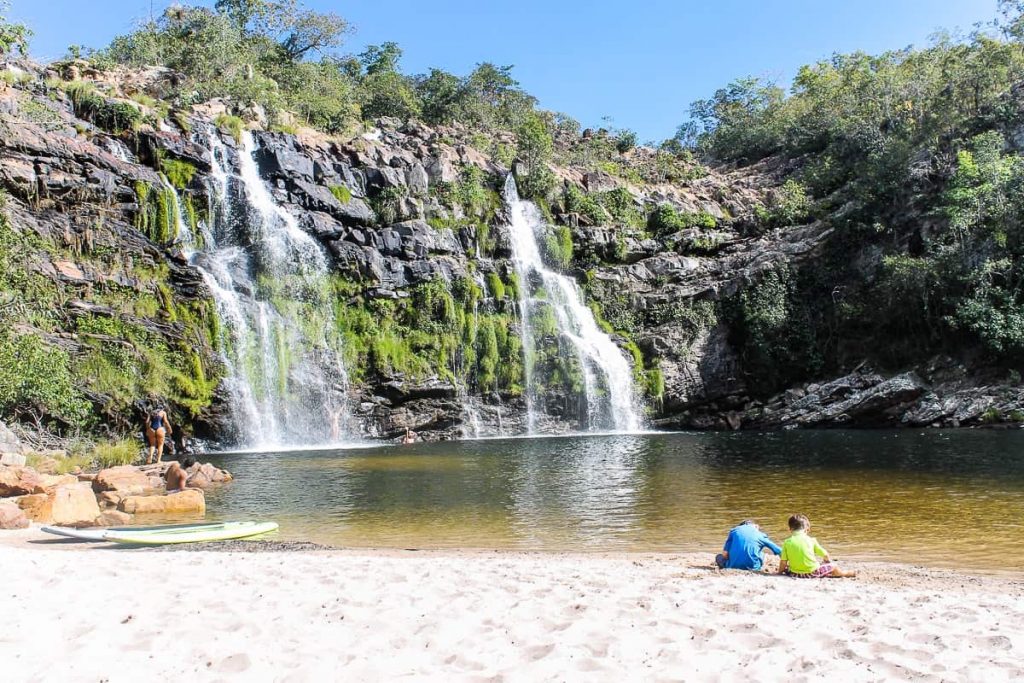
[[218, 532], [100, 534]]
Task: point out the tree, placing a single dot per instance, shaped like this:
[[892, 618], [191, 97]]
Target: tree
[[13, 37], [534, 150], [443, 96], [494, 99], [312, 32], [385, 91], [381, 58], [296, 30], [739, 121]]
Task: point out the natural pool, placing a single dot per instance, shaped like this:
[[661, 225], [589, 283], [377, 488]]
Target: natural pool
[[939, 498]]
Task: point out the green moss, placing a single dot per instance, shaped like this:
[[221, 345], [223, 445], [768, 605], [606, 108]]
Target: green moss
[[654, 384], [155, 213], [495, 286], [341, 193], [558, 246], [179, 173]]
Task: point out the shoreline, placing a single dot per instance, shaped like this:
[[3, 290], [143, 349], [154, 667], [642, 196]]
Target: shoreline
[[869, 570], [296, 611]]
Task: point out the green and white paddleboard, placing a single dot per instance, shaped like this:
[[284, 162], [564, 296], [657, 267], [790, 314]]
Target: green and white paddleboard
[[101, 534], [167, 533], [196, 534]]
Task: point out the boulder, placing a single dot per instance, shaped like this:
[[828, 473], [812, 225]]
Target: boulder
[[13, 459], [38, 507], [113, 518], [75, 506], [52, 481], [205, 475], [441, 168], [124, 478], [417, 180], [12, 517], [19, 481], [9, 441], [277, 156], [191, 500], [109, 499]]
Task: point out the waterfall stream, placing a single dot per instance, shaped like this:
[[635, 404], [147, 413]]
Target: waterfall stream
[[286, 379], [607, 376]]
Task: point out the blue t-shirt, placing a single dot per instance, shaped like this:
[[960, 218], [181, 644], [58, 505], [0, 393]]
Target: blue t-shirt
[[744, 546]]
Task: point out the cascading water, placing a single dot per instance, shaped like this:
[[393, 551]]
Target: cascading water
[[607, 376], [286, 380], [120, 151]]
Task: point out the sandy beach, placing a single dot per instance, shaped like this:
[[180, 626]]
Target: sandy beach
[[91, 613]]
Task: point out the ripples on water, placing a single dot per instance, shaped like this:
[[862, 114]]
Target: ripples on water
[[937, 498]]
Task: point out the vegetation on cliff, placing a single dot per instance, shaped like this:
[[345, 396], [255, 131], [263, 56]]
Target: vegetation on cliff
[[910, 162]]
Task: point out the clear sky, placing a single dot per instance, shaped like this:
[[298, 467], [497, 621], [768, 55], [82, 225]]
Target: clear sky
[[639, 63]]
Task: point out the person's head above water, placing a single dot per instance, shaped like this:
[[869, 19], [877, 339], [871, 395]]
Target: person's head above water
[[799, 523]]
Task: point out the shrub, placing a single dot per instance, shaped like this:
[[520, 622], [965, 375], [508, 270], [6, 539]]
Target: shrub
[[625, 141], [35, 380], [114, 117], [233, 124], [577, 201], [621, 205], [665, 220], [790, 205], [114, 453]]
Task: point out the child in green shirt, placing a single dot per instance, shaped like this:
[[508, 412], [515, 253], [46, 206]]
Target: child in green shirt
[[800, 554]]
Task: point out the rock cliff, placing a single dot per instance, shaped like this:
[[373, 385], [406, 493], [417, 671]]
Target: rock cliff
[[103, 252]]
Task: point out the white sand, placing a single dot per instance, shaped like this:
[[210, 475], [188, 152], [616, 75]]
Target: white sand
[[88, 613]]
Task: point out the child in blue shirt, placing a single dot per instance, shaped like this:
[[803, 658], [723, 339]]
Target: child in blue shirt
[[744, 546]]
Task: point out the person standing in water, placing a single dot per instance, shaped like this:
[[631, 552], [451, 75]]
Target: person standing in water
[[158, 427], [410, 436]]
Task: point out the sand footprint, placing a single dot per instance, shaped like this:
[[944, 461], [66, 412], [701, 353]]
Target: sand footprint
[[538, 652], [234, 664]]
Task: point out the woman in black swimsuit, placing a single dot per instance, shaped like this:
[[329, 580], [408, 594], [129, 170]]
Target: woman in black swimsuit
[[157, 428]]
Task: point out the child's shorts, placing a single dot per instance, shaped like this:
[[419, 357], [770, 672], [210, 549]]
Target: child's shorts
[[823, 570]]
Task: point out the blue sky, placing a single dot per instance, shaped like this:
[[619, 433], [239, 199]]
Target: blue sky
[[638, 63]]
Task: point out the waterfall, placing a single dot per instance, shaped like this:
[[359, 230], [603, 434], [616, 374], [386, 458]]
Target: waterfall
[[286, 380], [120, 151], [607, 376]]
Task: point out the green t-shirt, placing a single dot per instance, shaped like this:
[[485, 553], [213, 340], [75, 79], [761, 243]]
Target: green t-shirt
[[802, 552]]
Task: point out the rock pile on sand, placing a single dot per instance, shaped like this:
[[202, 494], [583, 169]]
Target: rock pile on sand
[[109, 497]]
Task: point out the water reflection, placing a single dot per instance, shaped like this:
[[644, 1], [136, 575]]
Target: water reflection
[[939, 498]]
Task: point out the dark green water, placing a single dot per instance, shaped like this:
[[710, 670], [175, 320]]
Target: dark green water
[[949, 498]]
